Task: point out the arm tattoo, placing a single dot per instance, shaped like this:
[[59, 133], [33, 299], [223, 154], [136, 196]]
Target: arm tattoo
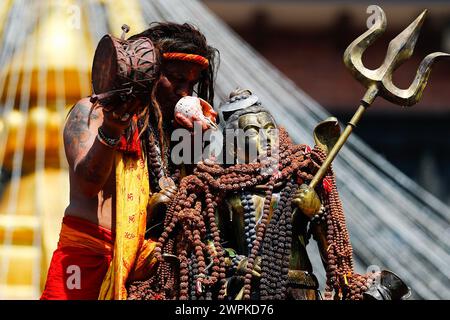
[[91, 161], [76, 131]]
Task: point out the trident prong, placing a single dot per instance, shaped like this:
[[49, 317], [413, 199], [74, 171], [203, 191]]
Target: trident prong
[[400, 49], [379, 81]]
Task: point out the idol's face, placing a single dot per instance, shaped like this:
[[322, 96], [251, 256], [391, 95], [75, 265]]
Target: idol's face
[[260, 134]]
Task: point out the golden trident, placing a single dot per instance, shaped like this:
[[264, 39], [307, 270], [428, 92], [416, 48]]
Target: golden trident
[[379, 82]]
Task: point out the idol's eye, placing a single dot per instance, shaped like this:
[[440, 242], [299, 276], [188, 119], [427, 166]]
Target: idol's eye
[[270, 130], [251, 132]]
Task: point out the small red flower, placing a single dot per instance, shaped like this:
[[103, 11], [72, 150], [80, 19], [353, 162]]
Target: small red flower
[[327, 185]]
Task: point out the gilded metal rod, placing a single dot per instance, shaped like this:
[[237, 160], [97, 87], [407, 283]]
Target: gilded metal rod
[[369, 97]]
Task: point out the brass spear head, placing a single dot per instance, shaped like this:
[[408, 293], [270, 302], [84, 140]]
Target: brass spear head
[[399, 50], [326, 134]]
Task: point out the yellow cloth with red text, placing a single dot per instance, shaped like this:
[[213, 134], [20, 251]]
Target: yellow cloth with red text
[[133, 255]]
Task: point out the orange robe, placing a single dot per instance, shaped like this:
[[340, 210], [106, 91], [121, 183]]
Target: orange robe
[[84, 251]]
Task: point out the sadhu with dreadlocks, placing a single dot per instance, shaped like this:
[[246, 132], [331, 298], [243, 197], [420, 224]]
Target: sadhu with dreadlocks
[[117, 147], [239, 231]]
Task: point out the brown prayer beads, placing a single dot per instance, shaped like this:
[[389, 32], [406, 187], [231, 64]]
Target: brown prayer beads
[[192, 235]]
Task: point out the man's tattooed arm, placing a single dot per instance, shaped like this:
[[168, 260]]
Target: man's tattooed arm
[[90, 160]]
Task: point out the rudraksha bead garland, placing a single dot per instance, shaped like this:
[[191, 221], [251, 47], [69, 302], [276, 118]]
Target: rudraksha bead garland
[[156, 166], [277, 248], [249, 219], [341, 277], [286, 246], [188, 223], [193, 228]]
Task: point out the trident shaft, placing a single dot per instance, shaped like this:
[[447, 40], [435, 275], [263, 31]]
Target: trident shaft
[[379, 82]]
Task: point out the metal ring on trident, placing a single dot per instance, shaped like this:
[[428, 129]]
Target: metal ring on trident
[[379, 82]]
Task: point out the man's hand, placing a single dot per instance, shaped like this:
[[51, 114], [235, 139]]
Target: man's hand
[[208, 110], [307, 200], [116, 119], [192, 109]]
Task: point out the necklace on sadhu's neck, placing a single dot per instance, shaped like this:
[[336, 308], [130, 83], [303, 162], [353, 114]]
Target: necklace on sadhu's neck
[[162, 172]]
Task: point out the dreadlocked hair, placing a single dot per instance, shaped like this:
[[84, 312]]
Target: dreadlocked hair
[[191, 233]]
